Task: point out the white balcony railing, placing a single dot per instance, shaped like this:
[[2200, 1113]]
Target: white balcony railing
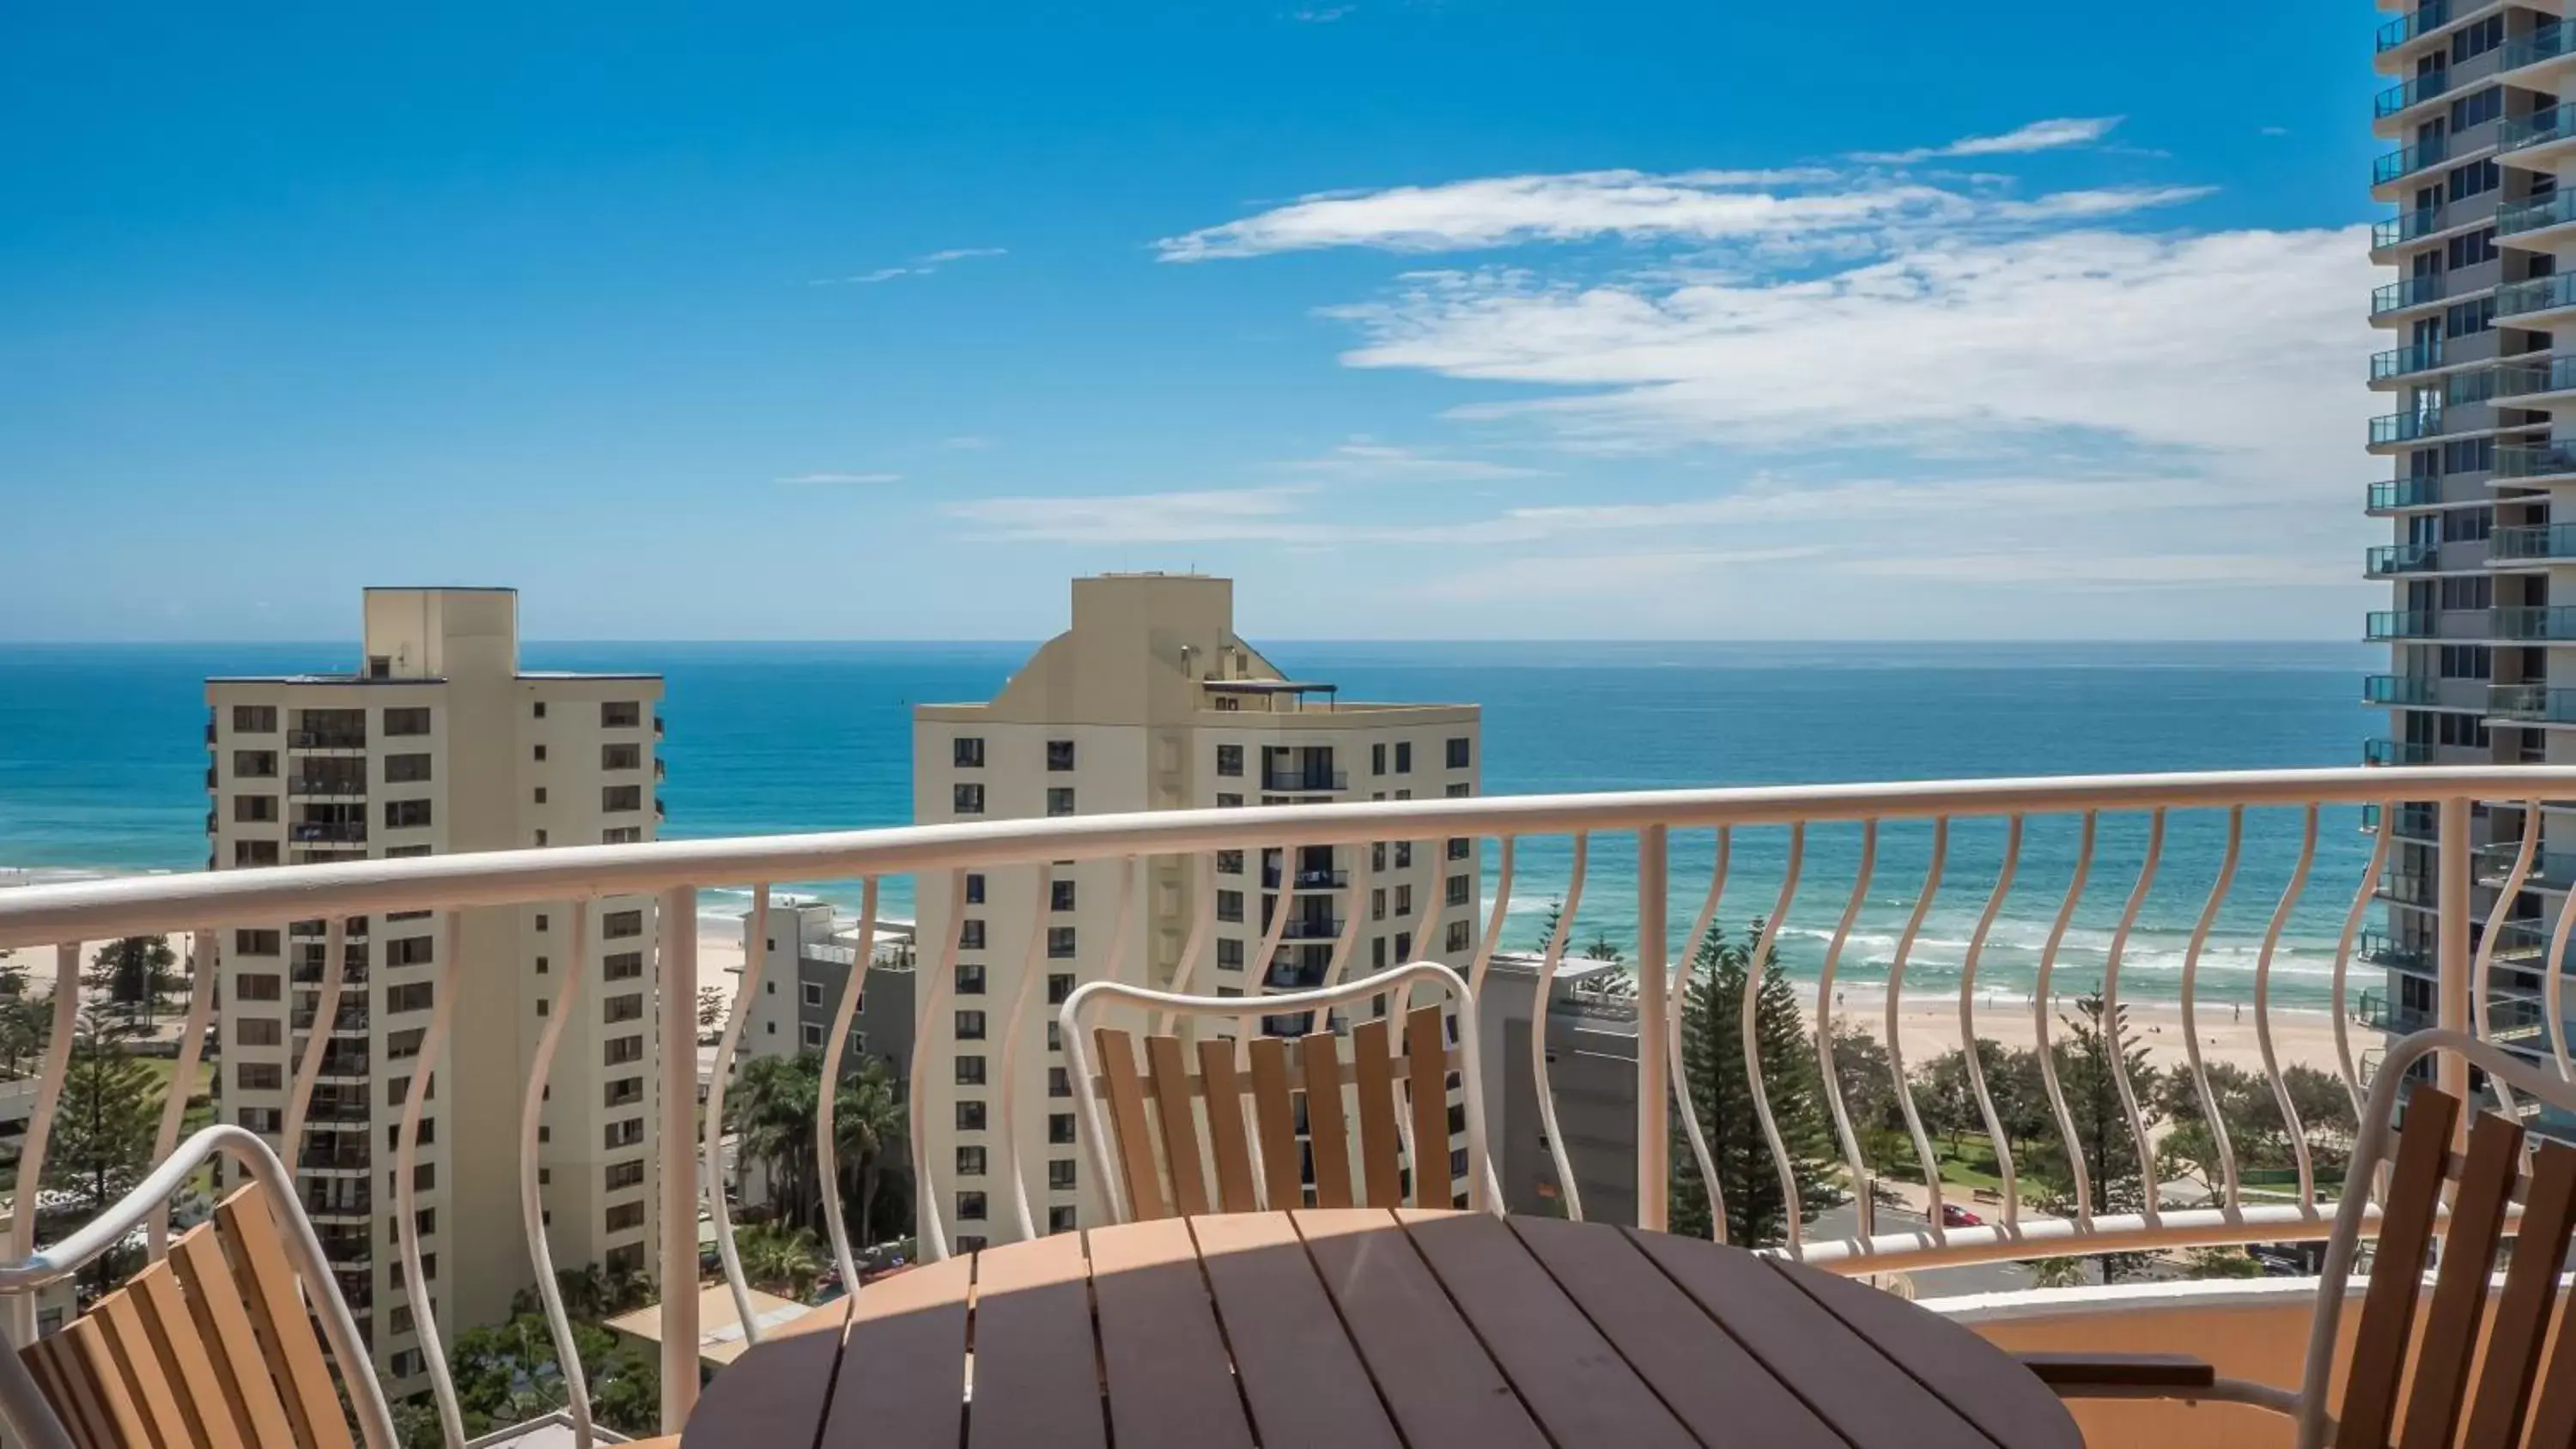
[[2289, 805]]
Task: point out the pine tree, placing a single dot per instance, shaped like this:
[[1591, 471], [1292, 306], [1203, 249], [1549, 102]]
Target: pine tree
[[1721, 1090], [104, 1127], [132, 973], [2100, 1045]]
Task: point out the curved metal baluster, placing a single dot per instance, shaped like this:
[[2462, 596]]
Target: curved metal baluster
[[1679, 997], [2481, 1001], [1346, 946], [1032, 966], [2361, 900], [827, 1151], [1493, 922], [1202, 926], [1538, 1030], [2215, 1120], [1896, 1038], [1976, 1062], [2116, 1038], [1832, 1077], [424, 1313], [326, 1010], [2551, 975], [192, 1044], [943, 975], [40, 1126], [755, 960], [532, 1208], [2263, 1012], [2039, 1026], [1749, 1027]]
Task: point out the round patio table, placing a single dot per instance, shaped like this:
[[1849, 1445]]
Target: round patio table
[[1358, 1328]]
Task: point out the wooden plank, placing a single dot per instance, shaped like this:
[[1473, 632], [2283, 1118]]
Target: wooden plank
[[1275, 1116], [2521, 1320], [1575, 1384], [1169, 1382], [276, 1303], [109, 1400], [1722, 1393], [1381, 1183], [1183, 1157], [2375, 1371], [67, 1387], [1980, 1382], [1227, 1141], [1300, 1375], [903, 1366], [153, 1395], [183, 1357], [1437, 1380], [1848, 1383], [223, 1326], [1126, 1094], [777, 1391], [1430, 1081], [1327, 1134], [38, 1360], [1037, 1377], [2460, 1294]]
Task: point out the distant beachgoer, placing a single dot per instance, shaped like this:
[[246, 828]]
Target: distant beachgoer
[[2240, 1011]]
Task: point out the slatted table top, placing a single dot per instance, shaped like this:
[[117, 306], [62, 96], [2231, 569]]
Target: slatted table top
[[1357, 1328]]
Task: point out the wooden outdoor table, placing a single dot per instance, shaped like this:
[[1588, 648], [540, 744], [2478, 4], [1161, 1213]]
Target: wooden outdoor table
[[1363, 1327]]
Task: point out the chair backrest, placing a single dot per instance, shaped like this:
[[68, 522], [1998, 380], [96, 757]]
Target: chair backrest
[[214, 1346], [1162, 1122], [2441, 1393]]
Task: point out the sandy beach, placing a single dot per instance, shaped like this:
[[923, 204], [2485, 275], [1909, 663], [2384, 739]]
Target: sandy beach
[[1927, 1029]]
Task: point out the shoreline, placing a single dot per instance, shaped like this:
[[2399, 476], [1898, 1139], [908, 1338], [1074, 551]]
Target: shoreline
[[2301, 1036]]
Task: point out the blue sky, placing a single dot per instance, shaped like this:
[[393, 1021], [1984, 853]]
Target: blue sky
[[1420, 319]]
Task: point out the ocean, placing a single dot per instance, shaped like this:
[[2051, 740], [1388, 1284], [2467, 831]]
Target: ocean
[[101, 764]]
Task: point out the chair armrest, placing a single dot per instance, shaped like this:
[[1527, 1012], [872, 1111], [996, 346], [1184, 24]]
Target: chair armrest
[[2135, 1372]]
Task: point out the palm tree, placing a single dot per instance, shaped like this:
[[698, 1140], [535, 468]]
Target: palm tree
[[771, 1111], [866, 1116], [779, 1260], [2057, 1273]]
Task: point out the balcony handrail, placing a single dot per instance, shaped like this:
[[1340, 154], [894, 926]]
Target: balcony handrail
[[2535, 294], [2548, 124]]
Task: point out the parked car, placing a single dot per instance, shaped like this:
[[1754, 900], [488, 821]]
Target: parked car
[[1955, 1216]]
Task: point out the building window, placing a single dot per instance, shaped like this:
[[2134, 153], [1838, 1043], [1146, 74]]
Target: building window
[[1060, 895], [623, 1092], [1063, 1219], [1377, 759], [625, 1217], [970, 979], [970, 1162], [620, 714], [1229, 862], [408, 951], [629, 1007], [255, 943], [1460, 847], [1059, 1082], [254, 719], [1404, 757], [970, 1116], [2467, 661], [413, 721], [1229, 905], [2474, 592], [975, 888], [1462, 890], [255, 986], [966, 799], [619, 1050], [1377, 904], [621, 1175], [968, 752], [258, 1076], [1458, 749], [1229, 759], [1059, 987], [1060, 1128], [406, 769], [1059, 755], [1060, 800], [813, 992], [540, 711], [1228, 800], [254, 809], [1460, 936], [255, 764], [1060, 1174], [257, 1031], [1459, 791], [621, 965], [410, 996], [628, 1133], [970, 933], [406, 814], [970, 1025], [621, 757], [1229, 953], [618, 925], [970, 1071], [812, 1036], [617, 799], [1059, 942], [970, 1207], [254, 852]]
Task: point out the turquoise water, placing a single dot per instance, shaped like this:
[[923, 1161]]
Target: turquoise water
[[101, 764]]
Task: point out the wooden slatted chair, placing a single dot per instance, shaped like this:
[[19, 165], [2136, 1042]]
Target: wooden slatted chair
[[215, 1346], [2524, 1388], [1190, 1099]]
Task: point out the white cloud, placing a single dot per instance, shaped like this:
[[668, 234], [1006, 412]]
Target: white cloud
[[2037, 136], [1183, 517], [961, 254], [2274, 131], [842, 478], [921, 266], [966, 443], [1361, 460], [2096, 569], [1320, 14]]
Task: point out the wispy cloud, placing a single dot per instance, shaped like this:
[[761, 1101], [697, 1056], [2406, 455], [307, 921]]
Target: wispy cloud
[[841, 478], [966, 443], [921, 266], [1320, 14], [1361, 460], [2037, 136]]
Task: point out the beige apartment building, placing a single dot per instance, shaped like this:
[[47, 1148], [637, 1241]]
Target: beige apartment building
[[439, 742], [1152, 701]]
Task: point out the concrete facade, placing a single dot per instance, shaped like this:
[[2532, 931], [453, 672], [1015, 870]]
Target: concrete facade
[[439, 742], [1151, 701], [1591, 1026]]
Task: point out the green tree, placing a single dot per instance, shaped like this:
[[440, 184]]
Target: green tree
[[2221, 1262], [1601, 949], [104, 1125], [1547, 927], [1868, 1085], [132, 973], [867, 1120], [2100, 1045], [2057, 1273], [507, 1373], [25, 1027], [772, 1108], [1721, 1090], [780, 1260], [711, 1015]]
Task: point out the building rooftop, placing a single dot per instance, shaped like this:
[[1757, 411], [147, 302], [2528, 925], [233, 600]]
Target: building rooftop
[[720, 1339]]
